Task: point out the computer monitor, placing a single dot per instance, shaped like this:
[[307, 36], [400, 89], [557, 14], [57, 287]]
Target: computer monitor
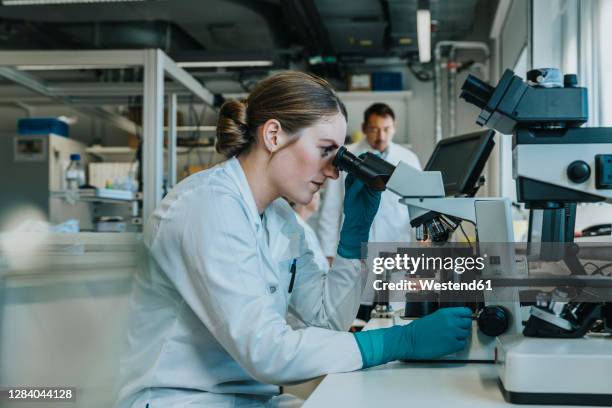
[[461, 160]]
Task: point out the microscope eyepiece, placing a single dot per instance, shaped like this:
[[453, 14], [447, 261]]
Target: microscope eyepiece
[[345, 160], [476, 92], [372, 170]]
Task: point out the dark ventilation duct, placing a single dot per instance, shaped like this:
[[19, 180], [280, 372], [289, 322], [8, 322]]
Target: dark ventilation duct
[[272, 12], [18, 34]]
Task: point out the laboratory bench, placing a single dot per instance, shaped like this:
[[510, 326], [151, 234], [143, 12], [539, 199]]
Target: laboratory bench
[[398, 384]]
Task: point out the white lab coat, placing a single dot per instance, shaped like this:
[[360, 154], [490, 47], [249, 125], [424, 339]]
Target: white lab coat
[[392, 221], [207, 323], [313, 243]]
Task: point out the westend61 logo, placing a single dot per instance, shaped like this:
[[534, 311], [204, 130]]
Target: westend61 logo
[[425, 263]]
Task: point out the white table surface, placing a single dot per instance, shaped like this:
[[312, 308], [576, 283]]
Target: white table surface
[[400, 384]]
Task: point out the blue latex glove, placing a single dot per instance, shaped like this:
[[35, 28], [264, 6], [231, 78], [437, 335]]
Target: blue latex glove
[[443, 332], [360, 206]]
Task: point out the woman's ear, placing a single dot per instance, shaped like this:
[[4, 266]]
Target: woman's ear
[[273, 136]]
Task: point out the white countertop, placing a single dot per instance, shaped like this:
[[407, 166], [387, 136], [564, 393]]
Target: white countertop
[[399, 384], [46, 254]]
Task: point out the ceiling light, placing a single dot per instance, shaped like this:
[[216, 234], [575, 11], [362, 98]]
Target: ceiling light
[[48, 2], [224, 64], [424, 31]]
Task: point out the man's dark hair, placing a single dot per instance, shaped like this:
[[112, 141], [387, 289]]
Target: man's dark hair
[[380, 109]]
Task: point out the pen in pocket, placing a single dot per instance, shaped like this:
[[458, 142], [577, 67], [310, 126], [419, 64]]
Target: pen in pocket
[[292, 271]]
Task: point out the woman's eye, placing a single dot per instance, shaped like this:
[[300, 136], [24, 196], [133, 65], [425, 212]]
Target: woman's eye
[[325, 150]]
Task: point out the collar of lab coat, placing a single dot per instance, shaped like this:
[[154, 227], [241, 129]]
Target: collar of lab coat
[[363, 146], [235, 171], [274, 221], [279, 245]]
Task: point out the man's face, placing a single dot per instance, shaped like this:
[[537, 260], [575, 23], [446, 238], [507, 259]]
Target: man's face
[[379, 131]]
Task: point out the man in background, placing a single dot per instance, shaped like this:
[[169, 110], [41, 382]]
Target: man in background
[[392, 222]]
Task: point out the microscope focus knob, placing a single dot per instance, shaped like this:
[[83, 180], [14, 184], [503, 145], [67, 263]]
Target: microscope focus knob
[[493, 320], [570, 80], [578, 171]]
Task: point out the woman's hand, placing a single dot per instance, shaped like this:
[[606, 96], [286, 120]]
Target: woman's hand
[[360, 206], [433, 336]]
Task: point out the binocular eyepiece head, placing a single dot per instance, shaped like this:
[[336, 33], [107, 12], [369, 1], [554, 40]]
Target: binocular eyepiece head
[[371, 169], [476, 91]]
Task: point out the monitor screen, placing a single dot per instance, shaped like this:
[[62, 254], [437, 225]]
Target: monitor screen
[[461, 160]]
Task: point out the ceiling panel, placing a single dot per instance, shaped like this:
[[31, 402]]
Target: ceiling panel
[[454, 18], [356, 26], [357, 37], [201, 19], [354, 9]]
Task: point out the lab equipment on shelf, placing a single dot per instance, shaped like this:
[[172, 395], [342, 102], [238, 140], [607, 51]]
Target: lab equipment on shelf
[[75, 173]]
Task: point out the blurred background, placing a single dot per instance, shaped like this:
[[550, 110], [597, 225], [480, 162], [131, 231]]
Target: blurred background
[[106, 105]]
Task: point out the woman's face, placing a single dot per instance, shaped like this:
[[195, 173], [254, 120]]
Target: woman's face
[[299, 170]]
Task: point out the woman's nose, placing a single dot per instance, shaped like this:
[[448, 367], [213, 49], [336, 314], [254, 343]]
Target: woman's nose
[[331, 171]]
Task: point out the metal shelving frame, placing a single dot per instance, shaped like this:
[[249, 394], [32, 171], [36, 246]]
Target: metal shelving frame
[[156, 67]]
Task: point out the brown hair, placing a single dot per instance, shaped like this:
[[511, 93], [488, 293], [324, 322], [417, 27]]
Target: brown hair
[[380, 109], [296, 99]]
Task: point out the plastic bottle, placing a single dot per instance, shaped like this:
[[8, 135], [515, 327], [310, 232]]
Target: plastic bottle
[[75, 174]]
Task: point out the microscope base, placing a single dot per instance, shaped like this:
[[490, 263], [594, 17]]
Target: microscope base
[[555, 371], [481, 349]]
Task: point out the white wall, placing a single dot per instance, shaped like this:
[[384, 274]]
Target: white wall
[[420, 117], [514, 34], [508, 45], [555, 36]]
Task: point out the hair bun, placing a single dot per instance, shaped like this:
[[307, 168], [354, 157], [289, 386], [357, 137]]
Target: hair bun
[[233, 135]]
